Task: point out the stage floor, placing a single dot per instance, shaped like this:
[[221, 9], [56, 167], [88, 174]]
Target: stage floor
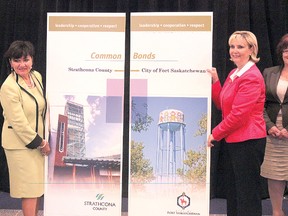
[[5, 212], [12, 207]]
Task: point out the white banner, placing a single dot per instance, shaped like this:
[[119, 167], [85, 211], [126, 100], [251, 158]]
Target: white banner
[[170, 113], [85, 88]]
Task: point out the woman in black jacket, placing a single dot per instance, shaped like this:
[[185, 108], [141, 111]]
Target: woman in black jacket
[[275, 165]]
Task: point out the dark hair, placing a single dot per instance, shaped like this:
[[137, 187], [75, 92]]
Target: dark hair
[[282, 45], [16, 50]]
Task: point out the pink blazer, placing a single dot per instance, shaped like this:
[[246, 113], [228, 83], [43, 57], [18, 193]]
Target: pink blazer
[[242, 103]]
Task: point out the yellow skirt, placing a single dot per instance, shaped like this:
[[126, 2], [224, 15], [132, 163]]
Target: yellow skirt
[[26, 172]]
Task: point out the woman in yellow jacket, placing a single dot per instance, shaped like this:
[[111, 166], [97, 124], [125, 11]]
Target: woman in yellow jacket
[[24, 108]]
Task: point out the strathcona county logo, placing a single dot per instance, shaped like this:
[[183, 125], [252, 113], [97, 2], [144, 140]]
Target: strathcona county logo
[[183, 201], [100, 204], [99, 196]]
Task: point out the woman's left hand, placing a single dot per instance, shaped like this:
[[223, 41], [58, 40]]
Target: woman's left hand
[[213, 73], [45, 150], [284, 133]]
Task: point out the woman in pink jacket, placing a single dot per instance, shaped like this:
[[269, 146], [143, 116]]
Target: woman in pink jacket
[[241, 100]]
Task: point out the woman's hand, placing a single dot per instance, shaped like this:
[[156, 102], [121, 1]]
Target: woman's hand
[[213, 73], [210, 140], [275, 132], [45, 148], [284, 133]]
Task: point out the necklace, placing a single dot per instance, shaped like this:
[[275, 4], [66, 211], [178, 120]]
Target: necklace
[[31, 85]]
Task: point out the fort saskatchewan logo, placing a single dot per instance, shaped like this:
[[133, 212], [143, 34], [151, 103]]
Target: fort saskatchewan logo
[[183, 201]]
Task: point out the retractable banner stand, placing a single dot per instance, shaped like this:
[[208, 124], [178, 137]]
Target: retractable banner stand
[[170, 113], [85, 88]]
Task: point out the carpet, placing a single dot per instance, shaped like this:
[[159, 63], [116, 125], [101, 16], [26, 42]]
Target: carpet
[[217, 206]]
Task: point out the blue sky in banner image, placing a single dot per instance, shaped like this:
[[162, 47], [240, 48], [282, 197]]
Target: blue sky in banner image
[[102, 119], [192, 108]]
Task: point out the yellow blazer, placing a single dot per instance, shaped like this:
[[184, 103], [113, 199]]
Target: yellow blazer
[[23, 125]]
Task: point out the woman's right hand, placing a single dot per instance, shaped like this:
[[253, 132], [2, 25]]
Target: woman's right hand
[[210, 141], [213, 73]]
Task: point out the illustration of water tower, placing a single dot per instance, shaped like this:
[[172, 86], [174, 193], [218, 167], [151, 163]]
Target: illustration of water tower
[[171, 145]]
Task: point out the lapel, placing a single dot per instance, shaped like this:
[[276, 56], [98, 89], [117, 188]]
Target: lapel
[[37, 84], [286, 96], [22, 83], [26, 89], [275, 75]]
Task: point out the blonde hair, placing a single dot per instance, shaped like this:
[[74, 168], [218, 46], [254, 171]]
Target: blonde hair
[[251, 39]]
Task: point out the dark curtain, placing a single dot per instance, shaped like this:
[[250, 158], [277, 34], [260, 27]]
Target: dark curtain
[[268, 20]]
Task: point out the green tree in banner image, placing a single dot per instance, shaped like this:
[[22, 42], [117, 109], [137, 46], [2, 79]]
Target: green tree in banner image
[[141, 169], [196, 160], [202, 130], [140, 119]]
